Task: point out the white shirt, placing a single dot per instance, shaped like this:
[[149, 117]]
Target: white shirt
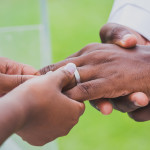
[[134, 14]]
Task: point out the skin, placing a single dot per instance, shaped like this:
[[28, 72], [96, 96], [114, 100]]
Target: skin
[[103, 75], [126, 38], [13, 74], [43, 113], [107, 70]]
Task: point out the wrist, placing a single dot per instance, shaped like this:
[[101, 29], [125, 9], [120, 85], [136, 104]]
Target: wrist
[[12, 116], [17, 107]]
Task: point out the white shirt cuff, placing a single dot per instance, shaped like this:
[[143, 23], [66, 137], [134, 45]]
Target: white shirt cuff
[[132, 16]]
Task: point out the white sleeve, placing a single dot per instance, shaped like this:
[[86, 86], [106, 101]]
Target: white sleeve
[[134, 14]]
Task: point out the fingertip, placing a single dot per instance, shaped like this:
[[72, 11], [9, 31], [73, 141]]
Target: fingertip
[[140, 99], [71, 68], [105, 108], [128, 41], [82, 105], [64, 75]]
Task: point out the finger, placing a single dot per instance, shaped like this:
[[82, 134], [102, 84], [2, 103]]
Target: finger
[[131, 102], [77, 61], [102, 105], [77, 58], [29, 70], [118, 34], [14, 68], [95, 89], [85, 76], [9, 82], [64, 75], [77, 108], [81, 107], [141, 114]]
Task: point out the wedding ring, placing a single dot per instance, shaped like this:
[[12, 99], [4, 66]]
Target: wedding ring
[[77, 76]]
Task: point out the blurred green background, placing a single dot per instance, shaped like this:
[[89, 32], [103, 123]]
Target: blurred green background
[[74, 24]]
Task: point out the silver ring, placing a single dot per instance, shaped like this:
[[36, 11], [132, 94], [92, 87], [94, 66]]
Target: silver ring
[[77, 76]]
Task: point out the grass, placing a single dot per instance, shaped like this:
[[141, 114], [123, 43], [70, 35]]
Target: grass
[[74, 24]]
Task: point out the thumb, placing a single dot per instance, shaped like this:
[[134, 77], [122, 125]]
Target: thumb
[[119, 35], [9, 82], [64, 75]]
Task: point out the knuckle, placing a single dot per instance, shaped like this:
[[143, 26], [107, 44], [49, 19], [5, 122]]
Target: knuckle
[[85, 90], [90, 47], [22, 79], [86, 48], [51, 67], [101, 57], [66, 74], [47, 69], [105, 33], [110, 32], [19, 80]]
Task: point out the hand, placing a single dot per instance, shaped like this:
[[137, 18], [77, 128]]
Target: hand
[[44, 112], [126, 38], [122, 36], [109, 71], [97, 71], [13, 74]]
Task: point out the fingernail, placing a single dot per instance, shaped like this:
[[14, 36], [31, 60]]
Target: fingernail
[[136, 104], [71, 67], [127, 36]]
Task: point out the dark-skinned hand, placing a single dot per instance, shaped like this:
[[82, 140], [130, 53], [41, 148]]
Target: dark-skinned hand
[[127, 38], [88, 60]]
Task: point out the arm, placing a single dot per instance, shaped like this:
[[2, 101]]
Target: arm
[[12, 116]]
